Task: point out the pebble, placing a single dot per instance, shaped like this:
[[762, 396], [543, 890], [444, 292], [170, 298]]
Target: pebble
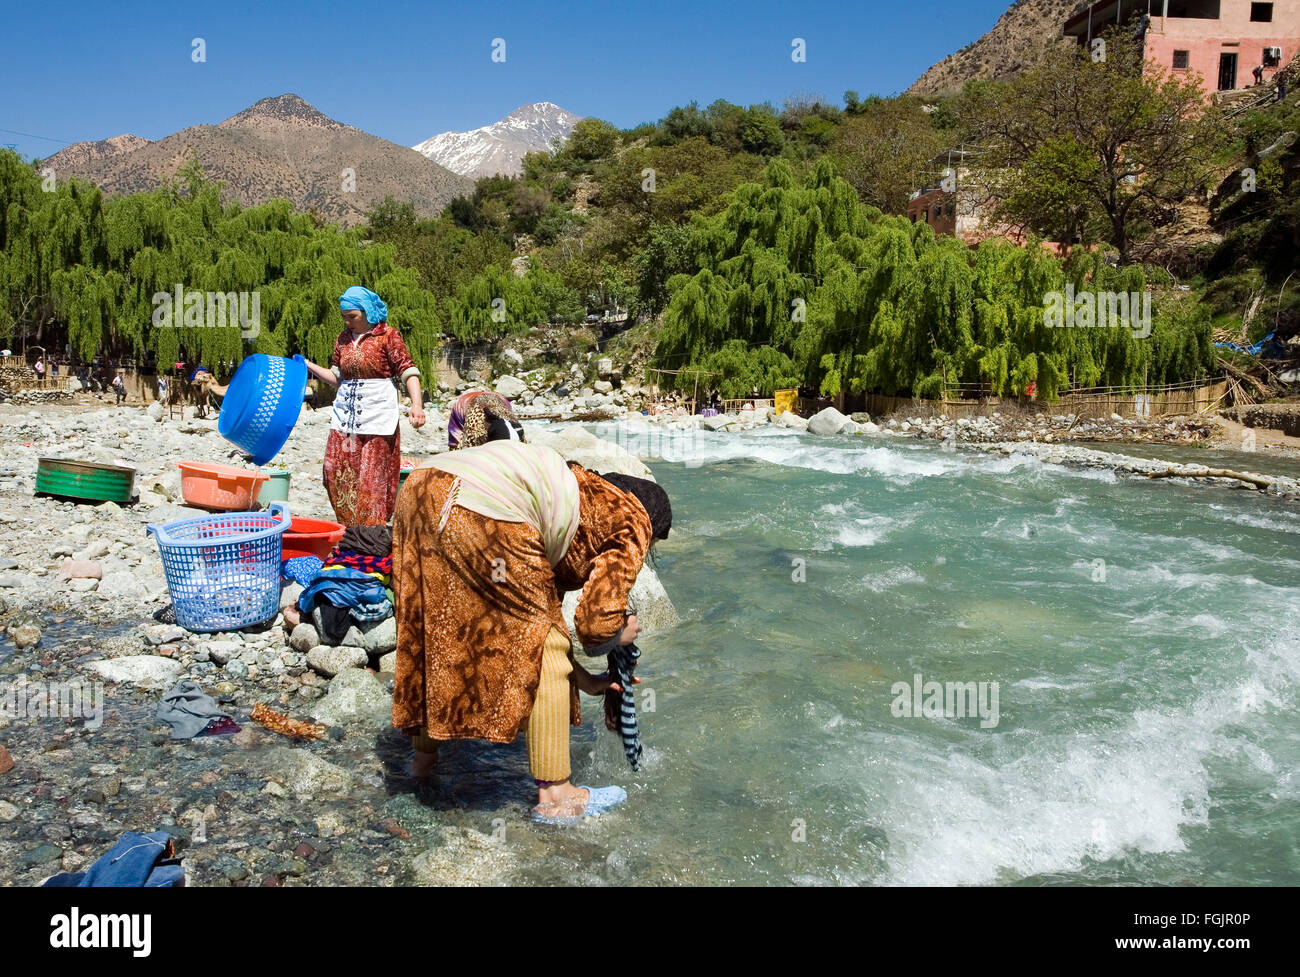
[[222, 652], [6, 761], [236, 669], [7, 811], [162, 634], [304, 638], [26, 636], [80, 569], [41, 855]]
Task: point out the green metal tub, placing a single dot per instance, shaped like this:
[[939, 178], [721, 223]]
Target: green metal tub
[[85, 480]]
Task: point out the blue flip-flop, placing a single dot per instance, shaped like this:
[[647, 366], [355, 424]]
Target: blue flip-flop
[[599, 800]]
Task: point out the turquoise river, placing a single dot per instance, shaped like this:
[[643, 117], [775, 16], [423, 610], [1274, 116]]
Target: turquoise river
[[1139, 641]]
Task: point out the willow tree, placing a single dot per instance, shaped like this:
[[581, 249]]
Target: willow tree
[[860, 302], [99, 267]]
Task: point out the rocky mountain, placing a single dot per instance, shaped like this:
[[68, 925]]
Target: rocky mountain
[[500, 147], [280, 147], [1019, 36], [83, 153]]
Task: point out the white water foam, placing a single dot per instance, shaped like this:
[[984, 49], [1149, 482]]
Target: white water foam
[[1048, 806]]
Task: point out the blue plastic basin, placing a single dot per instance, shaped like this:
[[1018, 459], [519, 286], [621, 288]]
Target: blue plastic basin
[[262, 404]]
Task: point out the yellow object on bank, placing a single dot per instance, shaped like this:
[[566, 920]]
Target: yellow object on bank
[[785, 400]]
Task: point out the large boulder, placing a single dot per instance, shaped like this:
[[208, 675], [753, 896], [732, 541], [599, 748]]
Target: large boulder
[[306, 774], [330, 661], [654, 611], [510, 387], [828, 421], [791, 420], [593, 453], [355, 695], [146, 671]]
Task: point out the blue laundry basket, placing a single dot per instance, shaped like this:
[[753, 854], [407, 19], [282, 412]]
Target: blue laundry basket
[[223, 570], [262, 404]]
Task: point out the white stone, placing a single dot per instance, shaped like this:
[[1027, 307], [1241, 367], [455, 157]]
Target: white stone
[[307, 775], [792, 421], [145, 671], [510, 387], [654, 609], [304, 638], [222, 652], [828, 421], [598, 455], [354, 694], [330, 661]]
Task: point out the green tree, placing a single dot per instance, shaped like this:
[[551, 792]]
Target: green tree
[[1094, 150]]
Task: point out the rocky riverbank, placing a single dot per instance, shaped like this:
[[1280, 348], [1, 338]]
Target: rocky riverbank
[[83, 603]]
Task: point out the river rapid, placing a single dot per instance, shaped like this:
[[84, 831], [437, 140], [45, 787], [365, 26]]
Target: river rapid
[[1139, 640]]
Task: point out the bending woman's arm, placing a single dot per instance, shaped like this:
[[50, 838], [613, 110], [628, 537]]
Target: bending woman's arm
[[600, 618]]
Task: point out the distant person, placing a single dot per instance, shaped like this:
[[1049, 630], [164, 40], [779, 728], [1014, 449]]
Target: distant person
[[119, 388], [39, 367], [1259, 74], [1281, 88]]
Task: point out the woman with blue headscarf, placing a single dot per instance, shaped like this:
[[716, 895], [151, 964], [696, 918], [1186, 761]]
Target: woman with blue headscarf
[[363, 456]]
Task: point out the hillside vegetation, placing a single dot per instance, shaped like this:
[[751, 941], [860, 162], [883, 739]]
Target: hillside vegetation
[[764, 245]]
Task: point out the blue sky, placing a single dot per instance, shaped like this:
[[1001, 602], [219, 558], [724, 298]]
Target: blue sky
[[406, 70]]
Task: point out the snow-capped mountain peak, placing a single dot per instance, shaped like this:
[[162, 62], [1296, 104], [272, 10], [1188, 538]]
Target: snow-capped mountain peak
[[500, 147]]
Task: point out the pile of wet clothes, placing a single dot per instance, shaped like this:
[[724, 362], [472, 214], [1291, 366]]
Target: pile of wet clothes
[[353, 585]]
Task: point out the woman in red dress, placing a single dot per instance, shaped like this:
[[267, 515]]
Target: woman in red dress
[[363, 455]]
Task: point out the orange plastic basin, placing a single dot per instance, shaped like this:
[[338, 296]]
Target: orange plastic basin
[[311, 537], [220, 487]]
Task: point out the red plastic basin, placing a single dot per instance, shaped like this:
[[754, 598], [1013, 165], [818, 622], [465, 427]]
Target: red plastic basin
[[311, 537]]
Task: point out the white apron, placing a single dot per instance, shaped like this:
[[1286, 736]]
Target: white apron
[[365, 407]]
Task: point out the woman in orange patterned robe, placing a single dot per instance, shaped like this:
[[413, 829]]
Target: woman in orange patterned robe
[[478, 609]]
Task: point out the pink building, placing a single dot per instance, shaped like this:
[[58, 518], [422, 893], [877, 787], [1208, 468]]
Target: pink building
[[1222, 41]]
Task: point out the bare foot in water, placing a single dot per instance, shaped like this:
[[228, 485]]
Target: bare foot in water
[[561, 800]]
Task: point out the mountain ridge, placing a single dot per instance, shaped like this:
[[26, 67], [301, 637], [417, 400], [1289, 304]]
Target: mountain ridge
[[1024, 31], [499, 148], [281, 146]]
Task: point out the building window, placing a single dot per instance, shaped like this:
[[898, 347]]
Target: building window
[[1181, 59], [1272, 57], [1194, 9], [1261, 13]]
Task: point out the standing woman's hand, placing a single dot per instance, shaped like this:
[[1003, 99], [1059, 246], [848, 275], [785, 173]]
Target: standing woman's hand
[[416, 416], [320, 373]]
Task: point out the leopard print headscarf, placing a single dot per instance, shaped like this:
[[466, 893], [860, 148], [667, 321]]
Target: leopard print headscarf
[[472, 415]]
